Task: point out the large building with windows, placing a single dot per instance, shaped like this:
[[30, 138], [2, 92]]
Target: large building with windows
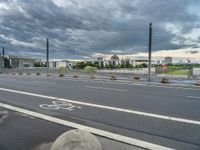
[[115, 60], [21, 62], [168, 60]]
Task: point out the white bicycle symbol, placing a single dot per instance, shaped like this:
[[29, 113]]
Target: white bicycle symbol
[[59, 105]]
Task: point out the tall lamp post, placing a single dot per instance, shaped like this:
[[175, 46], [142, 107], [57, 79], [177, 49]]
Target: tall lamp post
[[150, 41], [47, 55], [3, 55]]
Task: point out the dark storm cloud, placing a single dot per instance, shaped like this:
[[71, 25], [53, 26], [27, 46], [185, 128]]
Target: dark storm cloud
[[80, 28]]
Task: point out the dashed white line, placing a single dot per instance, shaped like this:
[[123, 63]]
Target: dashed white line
[[195, 97], [44, 82], [113, 136], [104, 88], [170, 118]]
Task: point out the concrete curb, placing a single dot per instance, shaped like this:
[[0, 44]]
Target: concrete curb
[[76, 140]]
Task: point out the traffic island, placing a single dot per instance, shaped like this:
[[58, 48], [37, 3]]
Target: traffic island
[[76, 140]]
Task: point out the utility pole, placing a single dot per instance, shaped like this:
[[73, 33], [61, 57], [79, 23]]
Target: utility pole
[[47, 63], [150, 40], [3, 54]]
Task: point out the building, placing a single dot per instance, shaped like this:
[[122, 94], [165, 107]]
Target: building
[[168, 60], [115, 60], [57, 63], [158, 62], [21, 62]]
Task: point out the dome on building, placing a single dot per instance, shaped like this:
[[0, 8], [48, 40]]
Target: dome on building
[[114, 57], [127, 59]]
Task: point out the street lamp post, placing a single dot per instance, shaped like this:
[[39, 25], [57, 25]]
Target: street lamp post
[[3, 55], [150, 41], [47, 55]]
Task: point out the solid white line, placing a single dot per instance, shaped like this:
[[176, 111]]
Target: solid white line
[[113, 136], [193, 97], [170, 118], [104, 88]]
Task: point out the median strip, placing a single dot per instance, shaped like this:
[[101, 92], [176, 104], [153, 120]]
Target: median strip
[[113, 136], [170, 118]]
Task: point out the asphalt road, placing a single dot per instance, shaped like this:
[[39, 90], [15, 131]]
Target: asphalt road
[[154, 101]]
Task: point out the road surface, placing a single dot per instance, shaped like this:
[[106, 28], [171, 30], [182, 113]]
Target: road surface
[[162, 115]]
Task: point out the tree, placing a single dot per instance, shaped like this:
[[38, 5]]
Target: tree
[[80, 65], [39, 64]]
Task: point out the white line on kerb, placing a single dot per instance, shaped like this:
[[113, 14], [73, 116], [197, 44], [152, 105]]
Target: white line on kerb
[[117, 137], [108, 107], [104, 88]]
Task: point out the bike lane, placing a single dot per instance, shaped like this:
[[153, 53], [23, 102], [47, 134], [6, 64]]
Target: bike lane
[[158, 131], [23, 132]]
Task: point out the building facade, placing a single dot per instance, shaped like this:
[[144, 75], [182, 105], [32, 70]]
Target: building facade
[[115, 60], [21, 62], [168, 60]]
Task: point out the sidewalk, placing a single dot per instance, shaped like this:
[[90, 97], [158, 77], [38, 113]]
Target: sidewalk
[[22, 132]]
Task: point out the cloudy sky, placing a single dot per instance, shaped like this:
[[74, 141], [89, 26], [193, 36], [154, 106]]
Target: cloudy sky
[[80, 29]]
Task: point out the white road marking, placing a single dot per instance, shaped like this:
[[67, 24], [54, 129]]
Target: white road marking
[[170, 118], [195, 97], [113, 136], [104, 88], [59, 105], [44, 82]]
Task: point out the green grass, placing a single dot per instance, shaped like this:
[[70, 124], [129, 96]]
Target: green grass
[[178, 72]]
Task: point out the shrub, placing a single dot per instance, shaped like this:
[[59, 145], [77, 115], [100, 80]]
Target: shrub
[[28, 73], [113, 77], [13, 73], [62, 70], [75, 76], [20, 73], [164, 80], [90, 69], [38, 74]]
